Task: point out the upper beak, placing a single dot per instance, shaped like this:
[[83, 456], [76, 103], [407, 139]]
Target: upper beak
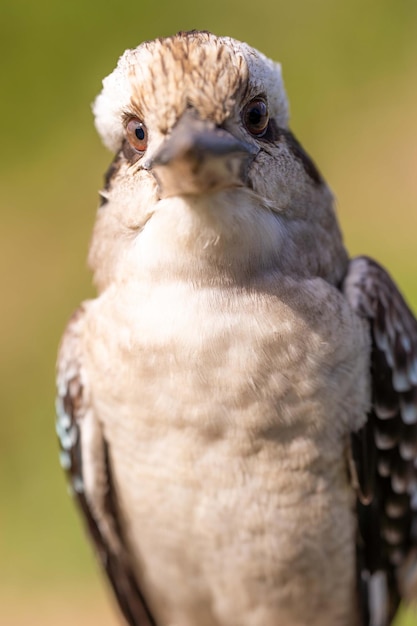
[[198, 156]]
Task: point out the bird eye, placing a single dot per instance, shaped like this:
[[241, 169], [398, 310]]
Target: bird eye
[[256, 117], [137, 135]]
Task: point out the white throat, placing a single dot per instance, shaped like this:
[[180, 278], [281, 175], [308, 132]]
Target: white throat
[[228, 232]]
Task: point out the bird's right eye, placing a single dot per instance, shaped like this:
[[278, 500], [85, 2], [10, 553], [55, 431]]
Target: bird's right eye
[[137, 135]]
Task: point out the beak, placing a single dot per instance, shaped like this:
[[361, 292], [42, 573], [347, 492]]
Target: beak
[[198, 157]]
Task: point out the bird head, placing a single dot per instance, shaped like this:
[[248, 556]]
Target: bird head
[[207, 180]]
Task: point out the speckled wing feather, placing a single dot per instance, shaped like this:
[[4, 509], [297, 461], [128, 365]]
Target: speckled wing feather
[[84, 456], [385, 450]]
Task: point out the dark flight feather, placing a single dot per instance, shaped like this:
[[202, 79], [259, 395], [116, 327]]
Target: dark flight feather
[[384, 450]]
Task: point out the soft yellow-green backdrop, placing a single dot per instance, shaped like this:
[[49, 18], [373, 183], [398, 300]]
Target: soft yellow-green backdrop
[[350, 70]]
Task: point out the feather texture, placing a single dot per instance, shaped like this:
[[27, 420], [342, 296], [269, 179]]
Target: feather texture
[[84, 456], [385, 449]]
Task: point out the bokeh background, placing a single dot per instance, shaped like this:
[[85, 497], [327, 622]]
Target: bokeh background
[[350, 70]]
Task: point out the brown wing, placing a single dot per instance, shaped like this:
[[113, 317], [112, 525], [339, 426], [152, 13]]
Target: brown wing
[[385, 450], [84, 456]]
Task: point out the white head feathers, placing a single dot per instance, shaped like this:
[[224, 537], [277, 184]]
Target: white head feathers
[[188, 60]]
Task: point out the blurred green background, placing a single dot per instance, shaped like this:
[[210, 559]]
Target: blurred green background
[[350, 70]]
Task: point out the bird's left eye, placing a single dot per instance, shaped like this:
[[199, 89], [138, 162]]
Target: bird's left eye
[[137, 135], [256, 117]]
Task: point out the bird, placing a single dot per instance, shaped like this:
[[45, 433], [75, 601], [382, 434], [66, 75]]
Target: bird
[[237, 408]]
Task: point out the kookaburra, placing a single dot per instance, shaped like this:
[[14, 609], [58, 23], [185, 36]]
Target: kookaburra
[[237, 409]]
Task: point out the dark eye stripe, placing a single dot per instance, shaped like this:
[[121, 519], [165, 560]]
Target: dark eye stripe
[[276, 134]]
